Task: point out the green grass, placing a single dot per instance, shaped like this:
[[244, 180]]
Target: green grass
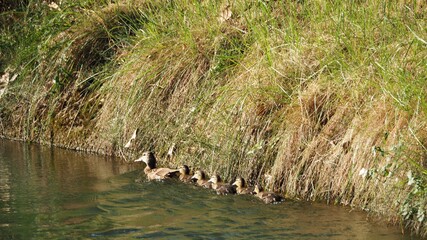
[[274, 89]]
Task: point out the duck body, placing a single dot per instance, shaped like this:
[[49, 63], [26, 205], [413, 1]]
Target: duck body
[[267, 197], [226, 189], [220, 187], [247, 190], [152, 172], [160, 173]]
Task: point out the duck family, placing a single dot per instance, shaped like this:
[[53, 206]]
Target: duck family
[[199, 178]]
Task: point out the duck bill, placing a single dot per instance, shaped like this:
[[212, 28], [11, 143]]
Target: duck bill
[[142, 159], [234, 184]]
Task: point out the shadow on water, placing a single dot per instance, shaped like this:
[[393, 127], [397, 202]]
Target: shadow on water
[[55, 193]]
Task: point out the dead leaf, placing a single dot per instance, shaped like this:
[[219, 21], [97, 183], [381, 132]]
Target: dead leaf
[[225, 14]]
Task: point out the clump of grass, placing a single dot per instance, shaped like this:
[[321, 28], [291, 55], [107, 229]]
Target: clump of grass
[[319, 106]]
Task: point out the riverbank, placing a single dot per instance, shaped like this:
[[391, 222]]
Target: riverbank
[[324, 106]]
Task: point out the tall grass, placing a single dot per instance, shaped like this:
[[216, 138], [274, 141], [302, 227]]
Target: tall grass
[[323, 106]]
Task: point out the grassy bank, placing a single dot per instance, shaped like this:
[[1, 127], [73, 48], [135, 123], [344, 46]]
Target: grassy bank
[[319, 100]]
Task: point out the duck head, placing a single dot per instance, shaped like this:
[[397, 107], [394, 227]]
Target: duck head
[[184, 170], [149, 159], [240, 182], [199, 175]]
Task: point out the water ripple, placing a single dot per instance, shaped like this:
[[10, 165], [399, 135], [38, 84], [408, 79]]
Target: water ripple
[[115, 232]]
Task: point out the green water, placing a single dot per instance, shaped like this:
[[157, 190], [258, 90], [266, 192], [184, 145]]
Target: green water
[[57, 194]]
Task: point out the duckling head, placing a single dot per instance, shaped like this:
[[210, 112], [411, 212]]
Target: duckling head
[[240, 182], [184, 169], [148, 158], [199, 175], [215, 179]]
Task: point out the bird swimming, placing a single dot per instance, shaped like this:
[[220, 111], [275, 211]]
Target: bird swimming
[[200, 178], [151, 171], [241, 187], [184, 174], [220, 187], [267, 197]]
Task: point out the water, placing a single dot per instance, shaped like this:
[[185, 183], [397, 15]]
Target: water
[[58, 194]]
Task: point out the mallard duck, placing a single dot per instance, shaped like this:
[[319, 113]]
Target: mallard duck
[[220, 187], [241, 187], [151, 171], [184, 172], [200, 178], [267, 197]]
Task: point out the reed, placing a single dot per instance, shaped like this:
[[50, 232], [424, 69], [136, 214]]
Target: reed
[[319, 100]]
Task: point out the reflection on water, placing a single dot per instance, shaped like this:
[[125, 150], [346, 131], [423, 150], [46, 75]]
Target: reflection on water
[[4, 189], [54, 193]]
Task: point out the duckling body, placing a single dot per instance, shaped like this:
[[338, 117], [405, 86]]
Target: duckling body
[[267, 197], [151, 171], [200, 178], [241, 187], [184, 176], [220, 187]]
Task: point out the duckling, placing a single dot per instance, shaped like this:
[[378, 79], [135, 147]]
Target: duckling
[[267, 197], [241, 187], [220, 187], [184, 176], [200, 178], [151, 171]]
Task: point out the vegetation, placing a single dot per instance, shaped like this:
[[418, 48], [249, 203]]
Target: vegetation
[[322, 100]]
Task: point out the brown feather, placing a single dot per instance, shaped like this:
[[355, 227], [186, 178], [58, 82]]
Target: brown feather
[[160, 173]]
